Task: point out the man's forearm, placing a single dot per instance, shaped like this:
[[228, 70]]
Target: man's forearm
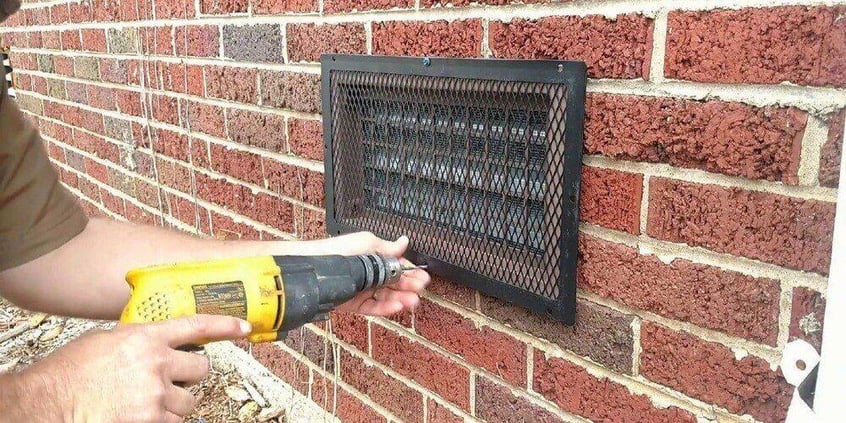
[[24, 397], [85, 277]]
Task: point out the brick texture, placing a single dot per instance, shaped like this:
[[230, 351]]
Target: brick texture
[[305, 138], [274, 7], [611, 198], [789, 232], [306, 42], [200, 40], [288, 90], [495, 403], [574, 389], [740, 305], [263, 130], [439, 38], [761, 45], [335, 6], [728, 138], [253, 43], [711, 372], [806, 321], [391, 393], [832, 151], [618, 48]]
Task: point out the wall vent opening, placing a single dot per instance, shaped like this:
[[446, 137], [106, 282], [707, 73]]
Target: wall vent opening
[[477, 161]]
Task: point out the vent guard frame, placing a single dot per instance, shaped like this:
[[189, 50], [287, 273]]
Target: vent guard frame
[[570, 73]]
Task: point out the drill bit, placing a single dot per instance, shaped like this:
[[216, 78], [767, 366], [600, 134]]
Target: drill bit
[[415, 267]]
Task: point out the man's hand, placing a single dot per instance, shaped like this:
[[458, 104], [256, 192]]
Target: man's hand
[[384, 301], [128, 374]]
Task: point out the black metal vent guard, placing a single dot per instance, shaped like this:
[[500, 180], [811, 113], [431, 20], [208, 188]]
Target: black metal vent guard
[[468, 158]]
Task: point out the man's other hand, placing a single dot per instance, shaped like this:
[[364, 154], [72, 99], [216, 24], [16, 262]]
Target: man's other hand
[[390, 299], [133, 373]]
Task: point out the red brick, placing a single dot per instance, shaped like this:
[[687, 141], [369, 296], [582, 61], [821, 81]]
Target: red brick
[[104, 11], [222, 7], [76, 92], [711, 372], [101, 97], [350, 328], [171, 144], [781, 230], [41, 16], [275, 7], [128, 102], [71, 40], [313, 188], [114, 70], [806, 316], [305, 138], [157, 40], [311, 224], [388, 392], [181, 78], [313, 346], [200, 153], [440, 414], [199, 40], [128, 10], [426, 367], [730, 138], [611, 198], [239, 164], [612, 48], [114, 203], [335, 6], [165, 109], [832, 150], [227, 229], [575, 390], [59, 14], [51, 40], [206, 118], [263, 130], [283, 365], [174, 175], [282, 178], [601, 334], [496, 403], [306, 42], [172, 9], [803, 45], [274, 212], [93, 39], [452, 291], [706, 296], [290, 90], [230, 83], [494, 351], [437, 38], [96, 170]]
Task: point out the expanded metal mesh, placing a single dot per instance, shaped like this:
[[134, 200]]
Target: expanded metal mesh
[[472, 170]]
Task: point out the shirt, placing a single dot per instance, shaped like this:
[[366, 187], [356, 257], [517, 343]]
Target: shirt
[[37, 213]]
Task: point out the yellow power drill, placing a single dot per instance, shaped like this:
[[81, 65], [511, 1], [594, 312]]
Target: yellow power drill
[[274, 293]]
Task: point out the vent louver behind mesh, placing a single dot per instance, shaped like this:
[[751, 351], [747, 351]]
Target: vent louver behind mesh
[[477, 161]]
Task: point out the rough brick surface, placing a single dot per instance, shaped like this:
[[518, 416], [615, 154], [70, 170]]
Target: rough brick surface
[[344, 405], [737, 304], [199, 40], [123, 41], [421, 364], [305, 138], [611, 199], [772, 228], [729, 138], [171, 9], [440, 414], [239, 164], [263, 130], [86, 68], [806, 316], [600, 333], [438, 38], [231, 83], [351, 328], [273, 7], [253, 43], [382, 388], [496, 403], [452, 291], [93, 39], [311, 224], [495, 351], [315, 347], [290, 90], [798, 44], [832, 151], [711, 372], [618, 48], [205, 118], [574, 389], [283, 364], [222, 7], [334, 6], [306, 42]]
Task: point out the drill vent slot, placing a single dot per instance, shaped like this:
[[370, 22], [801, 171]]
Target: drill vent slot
[[477, 161]]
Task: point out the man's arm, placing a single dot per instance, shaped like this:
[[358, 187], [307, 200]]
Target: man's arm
[[85, 277]]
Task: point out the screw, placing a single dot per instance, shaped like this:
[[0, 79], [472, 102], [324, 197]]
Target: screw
[[427, 61]]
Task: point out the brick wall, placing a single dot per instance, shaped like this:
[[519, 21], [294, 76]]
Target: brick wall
[[713, 137]]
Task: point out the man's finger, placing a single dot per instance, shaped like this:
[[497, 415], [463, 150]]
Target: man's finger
[[199, 329], [409, 300], [372, 307], [179, 401], [392, 248], [173, 418], [187, 368]]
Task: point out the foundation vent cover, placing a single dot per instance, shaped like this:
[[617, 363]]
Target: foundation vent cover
[[477, 161]]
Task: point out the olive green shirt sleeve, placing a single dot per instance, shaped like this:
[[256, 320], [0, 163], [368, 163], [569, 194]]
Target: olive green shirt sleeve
[[37, 213]]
